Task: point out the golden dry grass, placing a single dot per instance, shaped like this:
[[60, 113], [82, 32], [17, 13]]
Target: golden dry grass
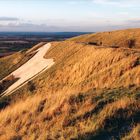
[[85, 66], [6, 63], [68, 114], [92, 92], [122, 38], [134, 134]]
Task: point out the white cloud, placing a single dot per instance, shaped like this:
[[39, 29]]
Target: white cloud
[[119, 3], [8, 19], [107, 2], [72, 2]]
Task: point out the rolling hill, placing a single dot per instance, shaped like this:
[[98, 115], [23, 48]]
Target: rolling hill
[[122, 38], [92, 91]]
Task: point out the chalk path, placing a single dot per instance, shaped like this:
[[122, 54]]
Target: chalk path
[[32, 68]]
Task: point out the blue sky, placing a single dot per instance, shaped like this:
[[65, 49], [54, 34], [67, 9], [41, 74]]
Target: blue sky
[[68, 15]]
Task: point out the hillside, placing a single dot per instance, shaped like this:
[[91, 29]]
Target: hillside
[[91, 92], [123, 38]]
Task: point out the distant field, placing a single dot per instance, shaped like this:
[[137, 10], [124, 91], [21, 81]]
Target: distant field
[[11, 42]]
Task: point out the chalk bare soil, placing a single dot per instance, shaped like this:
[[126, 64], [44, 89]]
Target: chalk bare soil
[[32, 68]]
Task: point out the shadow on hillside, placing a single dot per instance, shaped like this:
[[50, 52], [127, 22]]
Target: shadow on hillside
[[4, 84], [4, 101], [112, 127]]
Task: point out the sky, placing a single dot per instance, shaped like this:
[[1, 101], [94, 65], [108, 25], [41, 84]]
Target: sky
[[68, 15]]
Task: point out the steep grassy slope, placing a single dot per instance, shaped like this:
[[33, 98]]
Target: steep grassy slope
[[124, 38], [90, 66], [8, 62], [69, 114], [91, 92]]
